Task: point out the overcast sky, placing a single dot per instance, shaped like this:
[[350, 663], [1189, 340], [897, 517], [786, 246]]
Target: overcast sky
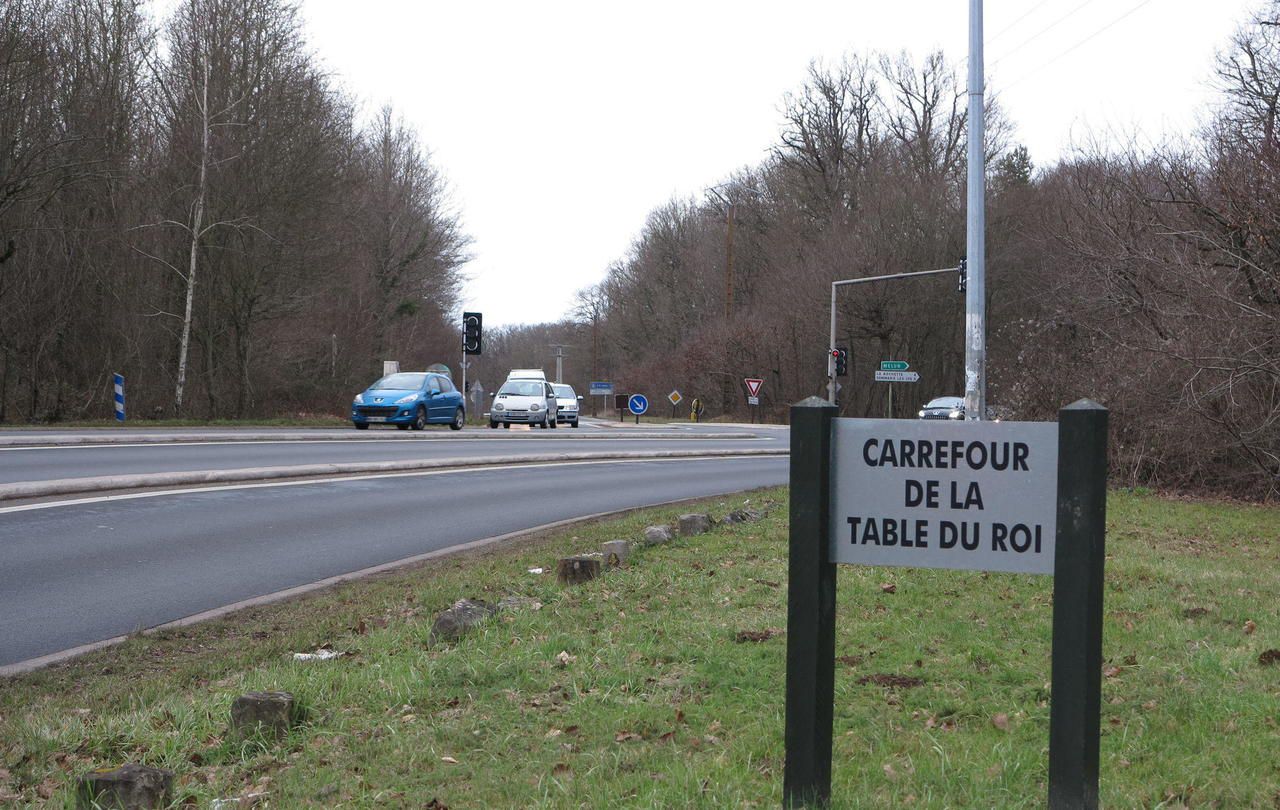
[[561, 124]]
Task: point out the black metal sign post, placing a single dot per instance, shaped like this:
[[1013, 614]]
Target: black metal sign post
[[1076, 665], [811, 610], [1076, 701]]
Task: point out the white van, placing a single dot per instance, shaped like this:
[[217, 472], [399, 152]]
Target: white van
[[527, 374], [524, 400]]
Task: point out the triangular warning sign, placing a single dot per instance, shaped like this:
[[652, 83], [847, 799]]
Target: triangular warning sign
[[753, 386]]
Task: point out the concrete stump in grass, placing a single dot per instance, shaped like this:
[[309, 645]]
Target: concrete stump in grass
[[694, 524], [129, 787], [657, 535], [454, 623], [577, 570], [270, 714], [616, 553]]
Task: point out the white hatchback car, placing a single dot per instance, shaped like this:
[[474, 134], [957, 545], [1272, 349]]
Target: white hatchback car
[[566, 404], [523, 402]]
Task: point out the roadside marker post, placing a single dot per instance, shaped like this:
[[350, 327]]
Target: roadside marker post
[[118, 395], [1022, 497]]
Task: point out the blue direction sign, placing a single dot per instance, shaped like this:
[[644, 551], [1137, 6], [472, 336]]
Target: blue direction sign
[[601, 389], [894, 365], [637, 404]]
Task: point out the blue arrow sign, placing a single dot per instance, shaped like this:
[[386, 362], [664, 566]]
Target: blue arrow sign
[[637, 404]]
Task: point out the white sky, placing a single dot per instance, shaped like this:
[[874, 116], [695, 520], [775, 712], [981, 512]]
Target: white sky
[[561, 124]]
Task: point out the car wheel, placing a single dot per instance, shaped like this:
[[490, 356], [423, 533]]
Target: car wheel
[[492, 424], [555, 422], [575, 423], [506, 426], [420, 418], [361, 425], [459, 419]]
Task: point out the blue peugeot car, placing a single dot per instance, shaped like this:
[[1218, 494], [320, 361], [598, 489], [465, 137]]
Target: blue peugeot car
[[410, 399]]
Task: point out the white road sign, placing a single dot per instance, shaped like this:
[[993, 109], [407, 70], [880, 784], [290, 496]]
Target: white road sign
[[971, 495], [897, 376], [675, 397]]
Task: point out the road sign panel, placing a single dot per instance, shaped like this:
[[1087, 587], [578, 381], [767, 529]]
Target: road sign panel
[[638, 404], [976, 495], [894, 365], [753, 400], [675, 397], [753, 386], [601, 389], [897, 376]]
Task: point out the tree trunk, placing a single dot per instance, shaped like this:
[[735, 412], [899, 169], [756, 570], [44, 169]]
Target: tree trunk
[[197, 222]]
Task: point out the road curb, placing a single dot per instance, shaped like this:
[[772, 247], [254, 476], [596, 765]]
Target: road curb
[[363, 436], [105, 483]]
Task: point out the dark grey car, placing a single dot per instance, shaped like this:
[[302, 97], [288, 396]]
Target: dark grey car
[[943, 408]]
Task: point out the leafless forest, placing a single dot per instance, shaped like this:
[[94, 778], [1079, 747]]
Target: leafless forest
[[193, 203], [190, 202]]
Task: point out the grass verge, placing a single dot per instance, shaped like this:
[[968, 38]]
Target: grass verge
[[669, 691]]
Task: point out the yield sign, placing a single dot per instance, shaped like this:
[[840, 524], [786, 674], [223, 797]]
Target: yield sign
[[753, 386]]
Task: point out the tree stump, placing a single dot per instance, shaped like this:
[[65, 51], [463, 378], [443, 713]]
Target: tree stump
[[577, 570], [129, 787]]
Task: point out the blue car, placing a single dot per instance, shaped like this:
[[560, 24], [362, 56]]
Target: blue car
[[410, 399]]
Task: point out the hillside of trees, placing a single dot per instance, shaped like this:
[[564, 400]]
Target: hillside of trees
[[194, 203]]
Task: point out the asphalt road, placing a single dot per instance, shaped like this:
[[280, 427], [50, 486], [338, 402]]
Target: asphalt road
[[74, 573], [20, 464]]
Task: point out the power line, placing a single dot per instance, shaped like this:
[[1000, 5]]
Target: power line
[[1039, 33], [1116, 21], [1021, 17]]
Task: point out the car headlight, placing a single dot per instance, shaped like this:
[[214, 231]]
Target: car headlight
[[406, 400], [920, 415], [498, 406], [535, 407], [359, 399], [956, 415]]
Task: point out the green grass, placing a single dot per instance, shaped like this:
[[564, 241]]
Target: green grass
[[661, 706]]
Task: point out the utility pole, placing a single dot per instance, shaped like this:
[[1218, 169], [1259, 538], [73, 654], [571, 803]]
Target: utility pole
[[559, 347], [975, 325], [729, 216]]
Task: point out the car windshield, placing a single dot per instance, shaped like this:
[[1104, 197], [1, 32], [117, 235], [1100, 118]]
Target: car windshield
[[946, 402], [521, 388], [402, 381], [564, 391]]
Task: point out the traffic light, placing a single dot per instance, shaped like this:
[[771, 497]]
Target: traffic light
[[964, 274], [842, 364], [471, 332]]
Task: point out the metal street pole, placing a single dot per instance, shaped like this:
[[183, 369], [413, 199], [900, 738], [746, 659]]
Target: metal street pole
[[975, 327], [831, 360]]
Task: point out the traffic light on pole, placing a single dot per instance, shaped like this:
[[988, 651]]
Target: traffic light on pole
[[842, 361], [471, 332]]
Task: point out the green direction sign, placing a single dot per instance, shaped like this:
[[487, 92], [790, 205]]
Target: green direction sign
[[894, 365]]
